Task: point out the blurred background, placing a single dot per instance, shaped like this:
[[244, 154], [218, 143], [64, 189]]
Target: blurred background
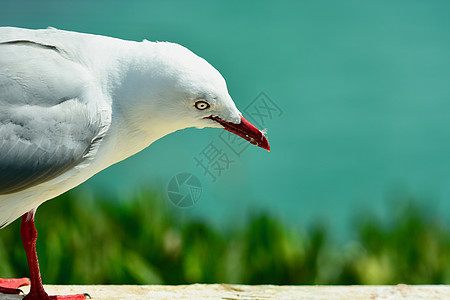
[[355, 97]]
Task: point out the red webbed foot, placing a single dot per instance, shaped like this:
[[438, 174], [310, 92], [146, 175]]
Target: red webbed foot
[[70, 297], [32, 296], [12, 285]]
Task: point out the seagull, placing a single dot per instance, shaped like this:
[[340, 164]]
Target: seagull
[[73, 104]]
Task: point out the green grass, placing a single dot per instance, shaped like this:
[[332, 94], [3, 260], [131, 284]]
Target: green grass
[[139, 241]]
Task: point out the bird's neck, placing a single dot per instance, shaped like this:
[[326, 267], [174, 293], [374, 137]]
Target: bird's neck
[[137, 120]]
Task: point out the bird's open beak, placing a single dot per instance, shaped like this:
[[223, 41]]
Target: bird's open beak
[[246, 130]]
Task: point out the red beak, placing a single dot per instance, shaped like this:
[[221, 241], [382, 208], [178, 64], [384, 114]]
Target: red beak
[[245, 130]]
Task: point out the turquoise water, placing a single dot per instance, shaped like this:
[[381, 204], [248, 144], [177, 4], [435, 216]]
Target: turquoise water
[[363, 88]]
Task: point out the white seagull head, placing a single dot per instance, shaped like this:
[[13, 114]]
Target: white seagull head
[[183, 90]]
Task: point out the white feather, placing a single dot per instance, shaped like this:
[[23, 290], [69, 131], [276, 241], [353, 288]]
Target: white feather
[[134, 92]]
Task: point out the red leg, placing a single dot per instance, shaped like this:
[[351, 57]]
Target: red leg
[[29, 237]]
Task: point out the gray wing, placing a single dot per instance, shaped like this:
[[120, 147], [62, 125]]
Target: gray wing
[[46, 125]]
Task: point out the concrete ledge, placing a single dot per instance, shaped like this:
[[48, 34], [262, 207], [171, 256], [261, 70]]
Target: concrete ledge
[[248, 292]]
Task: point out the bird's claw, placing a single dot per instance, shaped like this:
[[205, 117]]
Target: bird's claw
[[11, 291]]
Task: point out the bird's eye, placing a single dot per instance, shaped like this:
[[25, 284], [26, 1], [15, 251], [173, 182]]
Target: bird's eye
[[201, 105]]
